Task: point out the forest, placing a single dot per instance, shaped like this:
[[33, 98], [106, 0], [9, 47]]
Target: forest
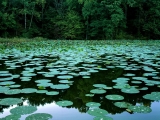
[[80, 19]]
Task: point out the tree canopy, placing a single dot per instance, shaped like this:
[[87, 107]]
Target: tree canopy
[[81, 19]]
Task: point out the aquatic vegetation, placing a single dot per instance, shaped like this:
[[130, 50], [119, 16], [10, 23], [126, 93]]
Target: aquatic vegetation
[[39, 116], [10, 101], [97, 112], [114, 97], [22, 110], [64, 103], [93, 104], [140, 109], [81, 75]]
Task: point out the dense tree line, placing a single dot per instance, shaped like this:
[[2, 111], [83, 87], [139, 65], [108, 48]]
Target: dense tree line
[[80, 19]]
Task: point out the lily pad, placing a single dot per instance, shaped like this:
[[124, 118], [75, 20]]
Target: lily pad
[[114, 97], [60, 86], [41, 91], [7, 83], [122, 104], [64, 103], [65, 77], [131, 90], [136, 82], [12, 117], [3, 89], [22, 110], [29, 90], [14, 86], [100, 85], [43, 81], [140, 109], [98, 91], [66, 81], [152, 96], [45, 84], [12, 91], [39, 116], [10, 101], [97, 112], [52, 93], [93, 104]]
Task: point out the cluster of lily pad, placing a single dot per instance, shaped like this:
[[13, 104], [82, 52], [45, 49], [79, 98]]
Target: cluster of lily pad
[[63, 64], [22, 110]]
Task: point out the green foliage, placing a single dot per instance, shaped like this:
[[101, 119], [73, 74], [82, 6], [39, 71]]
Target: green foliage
[[70, 26], [80, 19]]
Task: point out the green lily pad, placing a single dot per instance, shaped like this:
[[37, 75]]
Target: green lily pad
[[136, 82], [66, 81], [143, 88], [14, 86], [25, 78], [98, 91], [152, 96], [29, 90], [60, 86], [100, 85], [22, 110], [114, 97], [29, 74], [39, 116], [131, 90], [7, 83], [43, 81], [41, 91], [12, 117], [10, 101], [93, 104], [65, 77], [45, 84], [52, 93], [12, 91], [97, 112], [6, 79], [64, 103], [139, 78], [122, 104], [140, 109], [3, 89], [102, 118]]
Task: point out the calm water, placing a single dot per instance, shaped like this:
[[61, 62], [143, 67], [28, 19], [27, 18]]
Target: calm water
[[82, 86]]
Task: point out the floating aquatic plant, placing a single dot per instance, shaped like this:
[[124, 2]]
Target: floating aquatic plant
[[52, 93], [97, 112], [140, 109], [39, 116], [114, 97], [152, 96], [122, 104], [64, 103], [98, 91], [22, 110], [93, 104], [10, 101]]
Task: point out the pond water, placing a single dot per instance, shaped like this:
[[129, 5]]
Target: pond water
[[101, 86]]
